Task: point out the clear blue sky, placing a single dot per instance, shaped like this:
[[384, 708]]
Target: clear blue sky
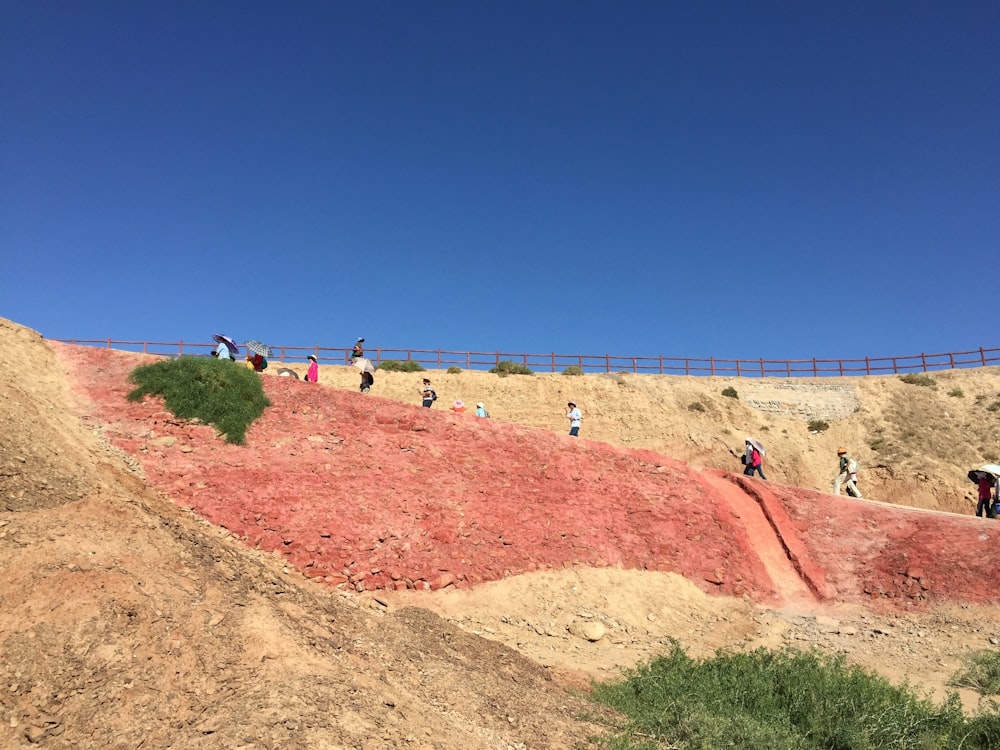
[[734, 179]]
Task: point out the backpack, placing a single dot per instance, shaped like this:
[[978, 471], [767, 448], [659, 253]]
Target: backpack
[[434, 395], [853, 466], [263, 364]]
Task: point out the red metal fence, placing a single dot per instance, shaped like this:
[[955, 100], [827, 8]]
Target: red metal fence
[[440, 359]]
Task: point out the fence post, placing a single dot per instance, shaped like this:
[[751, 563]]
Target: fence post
[[553, 361], [868, 365], [635, 366], [788, 369], [762, 367], [180, 347], [439, 359], [951, 360], [738, 374], [815, 370], [841, 363], [687, 366], [661, 364], [923, 360], [468, 360], [982, 356], [895, 369], [607, 362], [711, 365]]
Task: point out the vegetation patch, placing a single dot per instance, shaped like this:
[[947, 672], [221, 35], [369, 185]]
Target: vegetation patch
[[781, 700], [697, 406], [878, 444], [506, 367], [956, 393], [818, 425], [220, 393], [914, 378], [981, 672], [730, 392], [454, 370], [573, 370], [395, 365]]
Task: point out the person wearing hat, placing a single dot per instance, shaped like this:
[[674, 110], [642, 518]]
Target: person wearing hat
[[574, 416], [358, 350], [481, 410], [312, 374], [459, 406], [753, 460], [427, 394], [848, 476]]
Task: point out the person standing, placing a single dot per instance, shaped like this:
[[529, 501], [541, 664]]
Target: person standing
[[427, 394], [753, 458], [312, 374], [222, 351], [848, 476], [358, 350], [574, 416], [985, 483]]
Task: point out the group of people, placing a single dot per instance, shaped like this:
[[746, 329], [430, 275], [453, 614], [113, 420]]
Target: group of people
[[428, 396], [847, 467]]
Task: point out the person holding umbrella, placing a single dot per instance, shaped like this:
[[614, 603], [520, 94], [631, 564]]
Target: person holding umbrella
[[753, 458], [226, 348], [985, 484], [256, 355]]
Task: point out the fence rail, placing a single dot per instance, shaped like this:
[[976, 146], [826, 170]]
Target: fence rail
[[747, 368]]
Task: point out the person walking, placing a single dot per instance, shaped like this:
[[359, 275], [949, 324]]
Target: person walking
[[753, 459], [848, 476], [427, 394], [481, 410], [358, 350], [986, 490], [367, 381], [574, 416], [312, 374]]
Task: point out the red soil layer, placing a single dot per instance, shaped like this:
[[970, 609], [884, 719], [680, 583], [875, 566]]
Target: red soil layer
[[363, 491]]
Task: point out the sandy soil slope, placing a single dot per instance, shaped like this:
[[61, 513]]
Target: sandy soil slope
[[170, 590]]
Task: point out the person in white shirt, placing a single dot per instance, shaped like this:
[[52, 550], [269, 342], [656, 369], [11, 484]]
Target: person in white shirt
[[574, 416]]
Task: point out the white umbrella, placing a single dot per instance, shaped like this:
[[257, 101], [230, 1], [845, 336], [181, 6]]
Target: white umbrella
[[364, 364], [758, 446]]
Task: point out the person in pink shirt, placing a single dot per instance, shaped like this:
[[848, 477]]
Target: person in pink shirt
[[312, 375]]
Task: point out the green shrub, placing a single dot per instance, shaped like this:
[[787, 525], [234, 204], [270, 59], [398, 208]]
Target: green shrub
[[956, 392], [919, 379], [506, 367], [454, 370], [781, 700], [696, 406], [217, 392], [395, 365], [818, 425], [878, 444], [730, 392], [981, 672], [573, 370]]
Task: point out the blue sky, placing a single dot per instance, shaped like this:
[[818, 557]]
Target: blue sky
[[729, 179]]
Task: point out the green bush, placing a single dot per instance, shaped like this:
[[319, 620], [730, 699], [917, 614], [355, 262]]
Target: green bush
[[219, 393], [730, 392], [956, 392], [981, 672], [395, 365], [785, 700], [454, 370], [573, 370], [818, 425], [506, 367], [919, 379]]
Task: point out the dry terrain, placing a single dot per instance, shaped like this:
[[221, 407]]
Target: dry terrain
[[365, 573]]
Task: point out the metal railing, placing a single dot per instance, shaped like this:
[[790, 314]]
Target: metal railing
[[441, 359]]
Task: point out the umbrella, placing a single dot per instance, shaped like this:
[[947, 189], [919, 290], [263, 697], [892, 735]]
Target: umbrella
[[258, 348], [364, 364], [230, 344], [758, 446], [288, 373], [992, 470]]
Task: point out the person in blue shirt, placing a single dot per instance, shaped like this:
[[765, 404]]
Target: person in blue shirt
[[222, 351], [481, 410]]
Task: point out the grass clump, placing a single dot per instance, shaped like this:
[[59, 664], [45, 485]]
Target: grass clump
[[785, 700], [395, 365], [225, 395], [730, 392], [506, 367], [573, 370], [454, 370], [956, 393], [697, 406], [919, 379], [818, 425], [981, 672]]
